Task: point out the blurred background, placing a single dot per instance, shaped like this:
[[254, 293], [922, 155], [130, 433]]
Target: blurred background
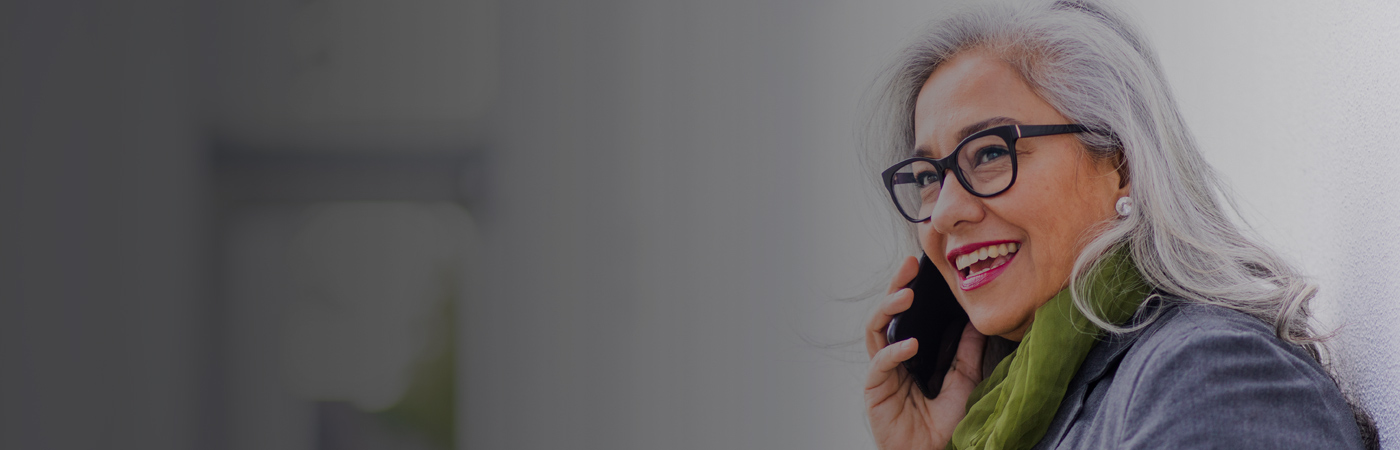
[[481, 224]]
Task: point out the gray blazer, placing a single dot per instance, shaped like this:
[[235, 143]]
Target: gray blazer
[[1201, 377]]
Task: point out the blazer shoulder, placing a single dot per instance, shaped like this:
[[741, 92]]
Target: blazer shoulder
[[1195, 323], [1206, 373]]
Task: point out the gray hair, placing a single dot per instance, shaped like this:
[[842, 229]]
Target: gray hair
[[1095, 69]]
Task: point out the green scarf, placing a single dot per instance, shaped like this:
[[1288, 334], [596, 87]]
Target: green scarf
[[1013, 408]]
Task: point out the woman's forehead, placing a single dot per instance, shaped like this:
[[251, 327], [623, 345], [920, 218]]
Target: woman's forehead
[[968, 93]]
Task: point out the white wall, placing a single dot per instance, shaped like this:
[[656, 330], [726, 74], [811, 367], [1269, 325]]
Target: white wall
[[675, 202]]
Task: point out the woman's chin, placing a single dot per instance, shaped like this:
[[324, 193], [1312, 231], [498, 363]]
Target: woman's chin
[[998, 321], [1000, 307]]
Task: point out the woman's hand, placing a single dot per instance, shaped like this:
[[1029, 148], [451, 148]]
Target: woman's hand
[[900, 416]]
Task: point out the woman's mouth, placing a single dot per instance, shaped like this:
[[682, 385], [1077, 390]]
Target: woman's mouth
[[978, 267]]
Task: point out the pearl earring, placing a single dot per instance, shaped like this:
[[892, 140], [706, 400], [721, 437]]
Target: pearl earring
[[1124, 206]]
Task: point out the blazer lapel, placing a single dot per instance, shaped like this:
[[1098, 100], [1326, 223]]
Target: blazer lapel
[[1105, 355]]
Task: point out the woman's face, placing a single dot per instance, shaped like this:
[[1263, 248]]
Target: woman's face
[[1059, 196]]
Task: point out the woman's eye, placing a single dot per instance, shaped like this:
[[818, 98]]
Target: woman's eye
[[989, 154], [925, 178]]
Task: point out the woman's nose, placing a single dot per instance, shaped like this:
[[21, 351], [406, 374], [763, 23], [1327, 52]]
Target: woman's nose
[[955, 206]]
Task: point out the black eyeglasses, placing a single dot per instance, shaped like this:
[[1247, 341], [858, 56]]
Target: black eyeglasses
[[984, 163]]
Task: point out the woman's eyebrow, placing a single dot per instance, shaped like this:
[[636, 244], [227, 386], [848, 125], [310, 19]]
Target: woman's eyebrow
[[985, 124], [968, 130]]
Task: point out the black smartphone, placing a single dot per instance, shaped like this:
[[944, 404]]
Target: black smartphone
[[937, 321]]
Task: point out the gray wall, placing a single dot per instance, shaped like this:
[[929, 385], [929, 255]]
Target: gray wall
[[675, 205], [103, 268]]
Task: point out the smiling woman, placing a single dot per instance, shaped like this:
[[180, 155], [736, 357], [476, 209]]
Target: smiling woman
[[1060, 191], [1084, 224]]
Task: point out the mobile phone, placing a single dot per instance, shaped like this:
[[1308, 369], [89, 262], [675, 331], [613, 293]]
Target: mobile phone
[[937, 320]]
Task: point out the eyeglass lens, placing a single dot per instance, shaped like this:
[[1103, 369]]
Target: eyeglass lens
[[985, 163]]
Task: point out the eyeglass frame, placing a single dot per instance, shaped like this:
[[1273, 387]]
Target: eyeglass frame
[[1009, 133]]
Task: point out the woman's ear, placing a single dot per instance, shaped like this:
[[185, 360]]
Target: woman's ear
[[1124, 182]]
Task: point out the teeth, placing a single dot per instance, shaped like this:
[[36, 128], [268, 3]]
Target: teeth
[[991, 251]]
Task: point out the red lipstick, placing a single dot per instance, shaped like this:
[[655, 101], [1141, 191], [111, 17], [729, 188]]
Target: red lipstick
[[969, 281]]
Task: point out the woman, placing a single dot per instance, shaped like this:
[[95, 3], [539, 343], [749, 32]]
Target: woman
[[1040, 157]]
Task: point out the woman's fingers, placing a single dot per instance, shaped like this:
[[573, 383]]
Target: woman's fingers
[[884, 365], [896, 301], [892, 304]]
